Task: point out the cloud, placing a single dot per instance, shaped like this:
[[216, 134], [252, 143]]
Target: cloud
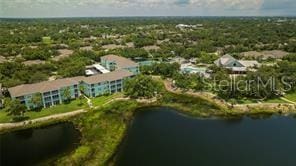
[[228, 4], [143, 7]]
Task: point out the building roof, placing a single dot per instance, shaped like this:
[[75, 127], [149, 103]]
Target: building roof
[[46, 86], [112, 76], [276, 54], [249, 63], [121, 62], [63, 53], [101, 68], [41, 87], [224, 60], [2, 59], [33, 62]]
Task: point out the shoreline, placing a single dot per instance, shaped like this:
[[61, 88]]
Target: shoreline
[[39, 122], [229, 110], [106, 154]]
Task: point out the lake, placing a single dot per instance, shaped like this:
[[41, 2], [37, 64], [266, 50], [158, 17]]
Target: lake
[[35, 146], [163, 137]]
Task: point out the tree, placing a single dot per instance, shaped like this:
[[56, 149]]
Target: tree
[[81, 97], [67, 94], [81, 88], [37, 100], [142, 86], [15, 108]]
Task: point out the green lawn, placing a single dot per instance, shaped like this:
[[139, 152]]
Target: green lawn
[[99, 101], [63, 108], [291, 96]]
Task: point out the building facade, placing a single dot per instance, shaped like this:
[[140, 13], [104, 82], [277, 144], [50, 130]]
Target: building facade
[[47, 93], [108, 83]]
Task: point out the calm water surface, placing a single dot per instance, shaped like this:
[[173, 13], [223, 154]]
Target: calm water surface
[[34, 146], [166, 138]]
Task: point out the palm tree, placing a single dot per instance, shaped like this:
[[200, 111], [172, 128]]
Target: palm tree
[[67, 94], [37, 100]]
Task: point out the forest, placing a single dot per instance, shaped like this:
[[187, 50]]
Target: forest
[[34, 50]]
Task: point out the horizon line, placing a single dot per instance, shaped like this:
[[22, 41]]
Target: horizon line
[[145, 16]]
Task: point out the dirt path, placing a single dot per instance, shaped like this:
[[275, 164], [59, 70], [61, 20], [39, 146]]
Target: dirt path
[[6, 126], [244, 107], [204, 95]]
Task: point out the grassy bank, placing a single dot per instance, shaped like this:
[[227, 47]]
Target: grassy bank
[[102, 131], [291, 96], [63, 108]]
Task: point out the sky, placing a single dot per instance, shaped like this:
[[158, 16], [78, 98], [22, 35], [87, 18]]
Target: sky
[[105, 8]]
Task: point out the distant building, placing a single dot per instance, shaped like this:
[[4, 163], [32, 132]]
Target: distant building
[[235, 66], [184, 26], [114, 62]]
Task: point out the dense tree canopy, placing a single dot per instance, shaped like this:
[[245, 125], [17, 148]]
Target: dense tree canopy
[[142, 86]]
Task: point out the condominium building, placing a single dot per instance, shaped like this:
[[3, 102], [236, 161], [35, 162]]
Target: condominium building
[[51, 92], [57, 91]]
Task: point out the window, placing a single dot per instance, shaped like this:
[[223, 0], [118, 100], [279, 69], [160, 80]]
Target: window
[[56, 102], [47, 105], [46, 93], [55, 92], [56, 97], [47, 98], [21, 98], [75, 86]]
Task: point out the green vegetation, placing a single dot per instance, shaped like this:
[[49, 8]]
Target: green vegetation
[[102, 131], [99, 101], [276, 100], [15, 109], [191, 105], [164, 69], [29, 115], [46, 40], [291, 96], [142, 86]]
